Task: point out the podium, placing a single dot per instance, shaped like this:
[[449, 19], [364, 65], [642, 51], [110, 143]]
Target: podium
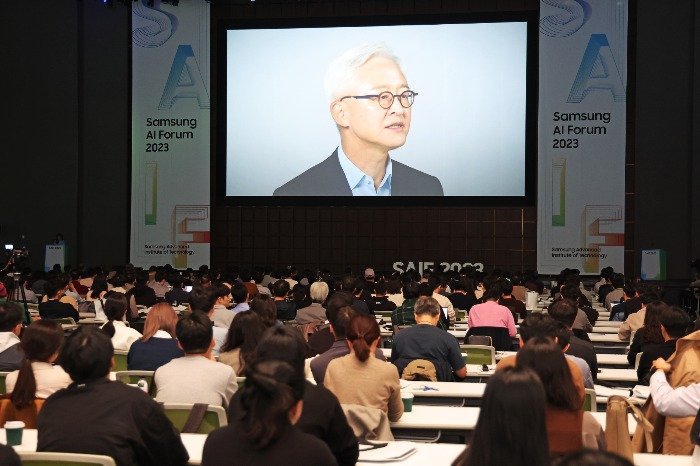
[[55, 254]]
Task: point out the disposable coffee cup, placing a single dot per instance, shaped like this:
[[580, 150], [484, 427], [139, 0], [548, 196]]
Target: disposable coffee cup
[[407, 399], [13, 432]]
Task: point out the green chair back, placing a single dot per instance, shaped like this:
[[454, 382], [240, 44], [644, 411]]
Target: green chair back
[[589, 403], [212, 421], [3, 386], [132, 377], [31, 458], [477, 354], [120, 361]]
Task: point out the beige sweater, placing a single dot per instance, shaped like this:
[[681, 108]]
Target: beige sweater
[[372, 383]]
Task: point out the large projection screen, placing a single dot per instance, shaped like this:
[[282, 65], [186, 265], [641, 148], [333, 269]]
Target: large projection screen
[[471, 124]]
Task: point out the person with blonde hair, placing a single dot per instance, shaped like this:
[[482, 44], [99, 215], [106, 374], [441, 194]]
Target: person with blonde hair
[[158, 345]]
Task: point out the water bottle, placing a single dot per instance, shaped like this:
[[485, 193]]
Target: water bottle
[[142, 384]]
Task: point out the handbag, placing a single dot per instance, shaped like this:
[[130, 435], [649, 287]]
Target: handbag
[[617, 434]]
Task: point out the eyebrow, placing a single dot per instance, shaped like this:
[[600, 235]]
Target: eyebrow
[[386, 86]]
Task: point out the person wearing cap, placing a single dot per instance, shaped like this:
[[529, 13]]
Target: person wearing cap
[[370, 278]]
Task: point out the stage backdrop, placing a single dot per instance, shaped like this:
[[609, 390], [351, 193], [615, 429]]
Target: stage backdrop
[[170, 134], [582, 93]]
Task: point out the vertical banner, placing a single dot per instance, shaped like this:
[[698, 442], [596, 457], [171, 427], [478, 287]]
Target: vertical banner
[[170, 134], [582, 119]]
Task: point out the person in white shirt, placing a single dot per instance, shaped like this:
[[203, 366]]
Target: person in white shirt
[[678, 402], [37, 377], [115, 306], [195, 378]]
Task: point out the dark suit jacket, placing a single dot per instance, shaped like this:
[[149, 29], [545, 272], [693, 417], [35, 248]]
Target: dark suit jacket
[[328, 179], [584, 350]]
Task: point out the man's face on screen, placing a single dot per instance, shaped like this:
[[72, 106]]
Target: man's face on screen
[[370, 125]]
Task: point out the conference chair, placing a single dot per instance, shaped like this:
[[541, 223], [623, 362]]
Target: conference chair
[[240, 381], [3, 387], [499, 336], [478, 354], [179, 413], [483, 340], [120, 361], [8, 412], [33, 458], [589, 403]]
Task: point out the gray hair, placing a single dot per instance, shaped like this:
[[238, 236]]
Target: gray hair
[[342, 70], [318, 292], [427, 305]]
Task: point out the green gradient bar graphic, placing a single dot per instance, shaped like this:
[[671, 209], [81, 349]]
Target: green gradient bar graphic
[[558, 198], [151, 193]]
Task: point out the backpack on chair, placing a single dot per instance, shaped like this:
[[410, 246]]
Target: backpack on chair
[[420, 369]]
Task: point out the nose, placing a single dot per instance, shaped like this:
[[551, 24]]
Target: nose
[[396, 106]]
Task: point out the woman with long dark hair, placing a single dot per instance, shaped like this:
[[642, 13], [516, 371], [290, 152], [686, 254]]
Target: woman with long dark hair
[[569, 428], [264, 306], [115, 308], [242, 340], [650, 333], [511, 429], [158, 345], [262, 432], [360, 378], [37, 377]]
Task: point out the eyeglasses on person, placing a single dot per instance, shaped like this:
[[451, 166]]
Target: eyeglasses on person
[[386, 98]]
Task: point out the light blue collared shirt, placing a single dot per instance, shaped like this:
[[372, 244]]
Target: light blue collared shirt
[[360, 183]]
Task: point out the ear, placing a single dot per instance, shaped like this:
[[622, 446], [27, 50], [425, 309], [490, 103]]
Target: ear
[[180, 346], [295, 412], [340, 114]]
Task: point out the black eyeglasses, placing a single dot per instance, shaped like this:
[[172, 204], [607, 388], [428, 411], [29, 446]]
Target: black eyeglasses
[[386, 98]]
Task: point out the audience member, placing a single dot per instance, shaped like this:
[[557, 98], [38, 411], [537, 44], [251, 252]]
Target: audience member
[[195, 378], [29, 295], [404, 315], [562, 336], [118, 330], [322, 415], [393, 291], [8, 456], [322, 340], [221, 315], [339, 320], [143, 294], [568, 427], [490, 313], [177, 294], [264, 306], [38, 378], [285, 309], [158, 345], [263, 431], [516, 307], [160, 284], [631, 304], [380, 301], [314, 312], [425, 341], [11, 355], [360, 378], [615, 295], [96, 416], [673, 322], [565, 311], [582, 322], [438, 284], [460, 298], [648, 334], [203, 299], [635, 321], [52, 307], [511, 428], [242, 341], [241, 296]]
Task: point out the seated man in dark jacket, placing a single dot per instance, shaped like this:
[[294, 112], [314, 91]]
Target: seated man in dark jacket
[[96, 416], [674, 323]]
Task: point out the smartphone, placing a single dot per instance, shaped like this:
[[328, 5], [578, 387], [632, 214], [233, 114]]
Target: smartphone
[[188, 288]]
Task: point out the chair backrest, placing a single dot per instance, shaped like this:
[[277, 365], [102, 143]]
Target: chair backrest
[[120, 364], [636, 360], [240, 381], [65, 321], [479, 354], [484, 340], [33, 458], [310, 328], [132, 377], [3, 387], [589, 403], [178, 413], [499, 336]]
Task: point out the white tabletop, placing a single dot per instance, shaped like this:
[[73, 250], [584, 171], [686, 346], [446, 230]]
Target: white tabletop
[[426, 453], [438, 417], [617, 375], [631, 423], [650, 459], [194, 443], [612, 359], [444, 389], [607, 323], [606, 329], [606, 338]]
